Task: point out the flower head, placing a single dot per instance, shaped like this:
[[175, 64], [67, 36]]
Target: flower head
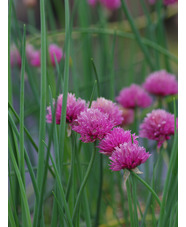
[[158, 125], [128, 156], [114, 138], [111, 4], [92, 2], [92, 125], [107, 106], [161, 83], [33, 56], [134, 96], [128, 115], [55, 51], [74, 108], [169, 2]]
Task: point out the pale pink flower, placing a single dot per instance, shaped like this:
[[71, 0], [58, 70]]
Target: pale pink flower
[[56, 51], [134, 96], [158, 125], [114, 138], [15, 57], [128, 156], [109, 107], [111, 4], [92, 125], [161, 83], [73, 109], [128, 115]]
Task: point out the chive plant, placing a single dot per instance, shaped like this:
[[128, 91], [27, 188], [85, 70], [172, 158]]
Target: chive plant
[[70, 163]]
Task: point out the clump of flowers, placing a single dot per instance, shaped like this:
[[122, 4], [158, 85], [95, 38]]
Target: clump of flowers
[[161, 83], [128, 116], [134, 96], [128, 156], [55, 51], [158, 125], [114, 138], [107, 106], [109, 4], [73, 109], [92, 125]]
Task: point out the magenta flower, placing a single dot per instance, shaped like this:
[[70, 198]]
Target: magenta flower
[[111, 4], [134, 96], [169, 2], [128, 156], [92, 125], [158, 125], [33, 56], [15, 57], [128, 115], [161, 83], [92, 2], [74, 108], [107, 106], [114, 138], [54, 50]]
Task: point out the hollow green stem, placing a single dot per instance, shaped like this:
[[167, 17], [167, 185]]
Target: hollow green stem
[[148, 187], [83, 184]]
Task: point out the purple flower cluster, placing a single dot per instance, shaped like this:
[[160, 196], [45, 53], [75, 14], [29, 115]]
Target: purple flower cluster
[[134, 96], [158, 125], [128, 156], [34, 56], [73, 109], [100, 121], [107, 106], [161, 83]]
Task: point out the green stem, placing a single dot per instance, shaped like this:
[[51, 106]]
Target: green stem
[[100, 191], [83, 184], [148, 187], [129, 196], [168, 177], [137, 35]]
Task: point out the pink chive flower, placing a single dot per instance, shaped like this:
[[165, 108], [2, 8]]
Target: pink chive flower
[[92, 125], [169, 2], [128, 156], [128, 116], [134, 96], [56, 51], [107, 106], [15, 57], [158, 125], [111, 4], [92, 2], [114, 138], [74, 108], [161, 83], [33, 56]]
